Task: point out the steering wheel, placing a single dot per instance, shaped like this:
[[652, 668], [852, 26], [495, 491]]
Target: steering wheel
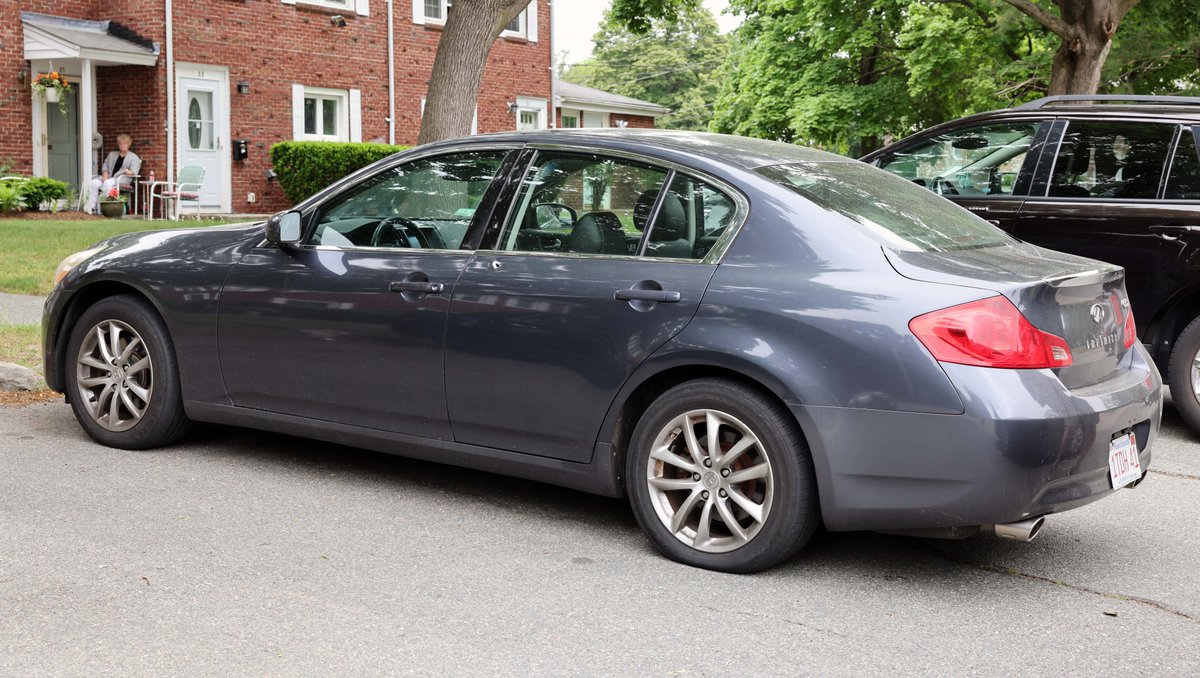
[[942, 186], [559, 205], [394, 232]]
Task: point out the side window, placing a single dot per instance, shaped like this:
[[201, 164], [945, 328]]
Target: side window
[[1184, 180], [1101, 159], [426, 204], [978, 161], [691, 216], [581, 204]]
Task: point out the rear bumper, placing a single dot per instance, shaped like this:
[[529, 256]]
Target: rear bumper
[[1025, 446]]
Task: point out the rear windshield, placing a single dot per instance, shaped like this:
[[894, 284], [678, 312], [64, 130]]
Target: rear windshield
[[900, 213]]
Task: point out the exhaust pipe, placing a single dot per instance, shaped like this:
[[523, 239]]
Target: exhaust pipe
[[1024, 530]]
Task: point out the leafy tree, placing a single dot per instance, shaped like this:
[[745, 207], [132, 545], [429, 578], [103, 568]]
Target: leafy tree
[[675, 63], [844, 75], [472, 27], [1086, 29], [1157, 50]]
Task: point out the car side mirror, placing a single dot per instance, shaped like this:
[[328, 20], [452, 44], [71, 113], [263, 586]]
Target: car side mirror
[[283, 229]]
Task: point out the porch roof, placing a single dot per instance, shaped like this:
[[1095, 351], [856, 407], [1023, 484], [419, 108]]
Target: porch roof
[[104, 42]]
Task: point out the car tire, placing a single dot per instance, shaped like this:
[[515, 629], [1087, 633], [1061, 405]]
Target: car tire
[[1183, 375], [758, 494], [122, 377]]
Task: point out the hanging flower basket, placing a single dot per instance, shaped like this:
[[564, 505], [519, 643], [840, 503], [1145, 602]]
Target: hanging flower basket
[[52, 86]]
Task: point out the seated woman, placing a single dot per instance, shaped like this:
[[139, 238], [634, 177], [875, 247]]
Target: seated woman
[[119, 169]]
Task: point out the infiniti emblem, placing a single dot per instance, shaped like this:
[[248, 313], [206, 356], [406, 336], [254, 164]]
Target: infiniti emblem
[[1097, 312]]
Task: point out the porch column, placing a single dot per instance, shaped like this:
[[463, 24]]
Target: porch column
[[87, 120]]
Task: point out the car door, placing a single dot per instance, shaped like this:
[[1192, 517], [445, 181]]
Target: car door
[[348, 327], [1102, 197], [984, 167], [571, 294]]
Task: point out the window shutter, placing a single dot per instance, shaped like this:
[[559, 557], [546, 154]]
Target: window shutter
[[531, 14], [355, 115], [363, 7], [418, 11], [297, 112]]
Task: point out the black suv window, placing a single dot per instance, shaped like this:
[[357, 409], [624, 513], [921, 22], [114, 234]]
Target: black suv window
[[1111, 160], [974, 161], [1184, 180]]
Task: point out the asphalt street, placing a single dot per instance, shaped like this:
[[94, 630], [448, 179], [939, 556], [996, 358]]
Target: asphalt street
[[242, 553]]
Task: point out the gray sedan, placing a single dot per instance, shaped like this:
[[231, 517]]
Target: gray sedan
[[746, 338]]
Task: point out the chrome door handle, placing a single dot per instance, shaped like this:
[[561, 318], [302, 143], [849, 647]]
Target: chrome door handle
[[417, 286], [658, 296]]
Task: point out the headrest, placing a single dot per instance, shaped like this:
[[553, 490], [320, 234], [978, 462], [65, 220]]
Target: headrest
[[672, 220]]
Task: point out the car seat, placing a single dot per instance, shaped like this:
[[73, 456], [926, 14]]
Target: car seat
[[597, 233]]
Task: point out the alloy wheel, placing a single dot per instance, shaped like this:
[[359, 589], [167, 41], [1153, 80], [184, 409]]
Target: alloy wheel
[[114, 375], [710, 480]]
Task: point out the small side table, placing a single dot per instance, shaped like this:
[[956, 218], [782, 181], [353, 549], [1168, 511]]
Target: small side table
[[145, 205]]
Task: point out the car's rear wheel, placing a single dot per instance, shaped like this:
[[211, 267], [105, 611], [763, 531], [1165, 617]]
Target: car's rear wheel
[[1183, 375], [122, 377], [719, 477]]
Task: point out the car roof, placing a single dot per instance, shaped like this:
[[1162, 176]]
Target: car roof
[[744, 152]]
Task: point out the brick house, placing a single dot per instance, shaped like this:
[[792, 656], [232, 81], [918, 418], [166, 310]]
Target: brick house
[[188, 84], [579, 106]]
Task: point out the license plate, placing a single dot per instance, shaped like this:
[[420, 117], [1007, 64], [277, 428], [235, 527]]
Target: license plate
[[1123, 464]]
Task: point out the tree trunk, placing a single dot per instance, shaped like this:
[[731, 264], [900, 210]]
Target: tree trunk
[[1086, 28], [472, 26]]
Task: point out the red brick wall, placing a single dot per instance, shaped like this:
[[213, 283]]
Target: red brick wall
[[271, 45], [636, 121]]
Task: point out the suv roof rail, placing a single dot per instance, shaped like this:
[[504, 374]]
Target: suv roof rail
[[1046, 102]]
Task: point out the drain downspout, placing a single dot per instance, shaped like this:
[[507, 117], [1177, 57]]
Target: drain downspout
[[391, 75], [170, 56], [553, 75]]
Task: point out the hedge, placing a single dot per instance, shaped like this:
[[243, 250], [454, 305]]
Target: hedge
[[305, 167]]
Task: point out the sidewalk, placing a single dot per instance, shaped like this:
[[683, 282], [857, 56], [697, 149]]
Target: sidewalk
[[20, 309]]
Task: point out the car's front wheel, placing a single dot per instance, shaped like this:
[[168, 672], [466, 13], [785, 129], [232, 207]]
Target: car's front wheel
[[122, 377], [719, 477]]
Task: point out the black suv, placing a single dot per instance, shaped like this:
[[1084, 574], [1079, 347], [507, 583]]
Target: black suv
[[1115, 178]]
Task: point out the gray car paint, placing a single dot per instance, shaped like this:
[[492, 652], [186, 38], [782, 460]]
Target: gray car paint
[[809, 310]]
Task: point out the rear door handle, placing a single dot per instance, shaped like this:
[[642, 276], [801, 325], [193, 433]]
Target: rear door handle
[[1174, 229], [417, 286], [658, 296]]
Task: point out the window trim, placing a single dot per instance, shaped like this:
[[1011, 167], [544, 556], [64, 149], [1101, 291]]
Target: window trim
[[712, 257], [342, 99], [359, 7], [527, 104], [310, 212]]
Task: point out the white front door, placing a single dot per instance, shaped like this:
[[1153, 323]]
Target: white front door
[[202, 123]]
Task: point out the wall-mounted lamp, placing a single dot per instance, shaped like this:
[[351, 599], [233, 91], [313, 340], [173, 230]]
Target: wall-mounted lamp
[[23, 76], [271, 175], [338, 21], [512, 107], [243, 86]]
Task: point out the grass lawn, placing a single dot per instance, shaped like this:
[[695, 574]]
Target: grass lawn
[[30, 249], [21, 344]]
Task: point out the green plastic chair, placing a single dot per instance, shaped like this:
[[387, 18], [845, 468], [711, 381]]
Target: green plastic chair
[[190, 179]]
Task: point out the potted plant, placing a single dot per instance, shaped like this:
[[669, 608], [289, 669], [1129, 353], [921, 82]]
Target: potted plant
[[113, 204], [53, 86]]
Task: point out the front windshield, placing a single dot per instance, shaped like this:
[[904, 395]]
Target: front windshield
[[896, 212]]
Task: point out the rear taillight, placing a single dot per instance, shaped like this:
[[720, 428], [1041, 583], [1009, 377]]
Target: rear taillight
[[1124, 315], [989, 333]]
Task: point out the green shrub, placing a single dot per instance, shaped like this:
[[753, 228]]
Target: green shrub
[[12, 197], [44, 189], [305, 167]]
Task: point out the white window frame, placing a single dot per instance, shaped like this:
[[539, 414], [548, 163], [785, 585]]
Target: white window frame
[[359, 7], [349, 113], [528, 18], [531, 105]]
